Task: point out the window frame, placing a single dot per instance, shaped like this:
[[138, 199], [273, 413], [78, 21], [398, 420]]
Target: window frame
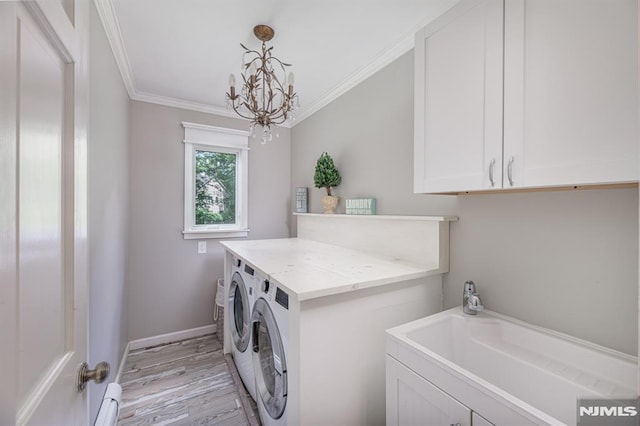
[[215, 139]]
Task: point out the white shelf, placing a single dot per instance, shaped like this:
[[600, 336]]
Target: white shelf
[[380, 217], [421, 240]]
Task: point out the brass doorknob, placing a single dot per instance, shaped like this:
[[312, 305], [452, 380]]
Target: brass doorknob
[[98, 374]]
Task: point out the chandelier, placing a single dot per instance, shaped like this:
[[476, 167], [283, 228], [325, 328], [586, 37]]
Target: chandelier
[[265, 98]]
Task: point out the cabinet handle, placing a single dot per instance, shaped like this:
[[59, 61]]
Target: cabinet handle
[[510, 171], [491, 166]]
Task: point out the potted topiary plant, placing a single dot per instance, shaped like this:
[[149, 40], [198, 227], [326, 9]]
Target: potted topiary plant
[[326, 176]]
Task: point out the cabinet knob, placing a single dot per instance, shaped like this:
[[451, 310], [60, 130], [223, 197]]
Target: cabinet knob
[[510, 171]]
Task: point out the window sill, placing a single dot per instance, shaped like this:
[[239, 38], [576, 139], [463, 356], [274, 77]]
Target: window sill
[[214, 233]]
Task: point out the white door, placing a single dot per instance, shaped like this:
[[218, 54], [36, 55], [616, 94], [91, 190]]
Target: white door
[[43, 205]]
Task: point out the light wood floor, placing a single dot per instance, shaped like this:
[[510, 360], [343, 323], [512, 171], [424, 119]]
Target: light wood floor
[[189, 382]]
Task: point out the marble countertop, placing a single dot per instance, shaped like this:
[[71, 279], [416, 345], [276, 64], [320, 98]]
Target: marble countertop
[[310, 269]]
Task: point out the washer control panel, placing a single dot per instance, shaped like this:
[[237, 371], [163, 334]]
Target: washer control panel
[[249, 270], [271, 291], [282, 298]]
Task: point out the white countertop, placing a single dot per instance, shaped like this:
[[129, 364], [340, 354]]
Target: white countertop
[[309, 269], [379, 217]]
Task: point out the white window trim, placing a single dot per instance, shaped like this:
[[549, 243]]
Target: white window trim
[[200, 136]]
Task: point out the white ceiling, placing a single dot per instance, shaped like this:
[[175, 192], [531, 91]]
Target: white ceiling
[[181, 52]]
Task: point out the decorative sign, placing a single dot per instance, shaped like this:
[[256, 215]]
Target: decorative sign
[[301, 200], [361, 206]]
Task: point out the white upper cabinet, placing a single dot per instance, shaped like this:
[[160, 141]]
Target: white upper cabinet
[[570, 106], [557, 106], [458, 99]]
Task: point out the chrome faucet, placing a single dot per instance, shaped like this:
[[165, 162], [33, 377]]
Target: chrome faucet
[[471, 302]]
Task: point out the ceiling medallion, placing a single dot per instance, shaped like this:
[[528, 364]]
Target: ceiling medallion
[[264, 99]]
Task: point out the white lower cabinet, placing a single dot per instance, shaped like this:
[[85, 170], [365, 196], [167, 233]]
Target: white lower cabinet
[[413, 400]]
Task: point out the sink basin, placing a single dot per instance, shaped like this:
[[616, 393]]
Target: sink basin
[[533, 371]]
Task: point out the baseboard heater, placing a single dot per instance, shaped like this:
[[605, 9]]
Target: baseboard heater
[[110, 407]]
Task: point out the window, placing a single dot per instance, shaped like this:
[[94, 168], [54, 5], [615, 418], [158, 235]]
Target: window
[[215, 182]]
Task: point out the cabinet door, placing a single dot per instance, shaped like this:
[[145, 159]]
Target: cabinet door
[[412, 400], [458, 99], [570, 111]]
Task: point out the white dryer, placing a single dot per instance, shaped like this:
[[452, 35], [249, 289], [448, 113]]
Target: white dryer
[[270, 327], [238, 315]]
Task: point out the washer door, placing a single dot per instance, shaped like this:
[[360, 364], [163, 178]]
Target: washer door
[[269, 362], [239, 313]]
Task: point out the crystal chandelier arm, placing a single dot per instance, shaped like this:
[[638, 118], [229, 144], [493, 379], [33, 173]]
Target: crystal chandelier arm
[[274, 92], [282, 64], [247, 50], [266, 87], [239, 112], [248, 98]]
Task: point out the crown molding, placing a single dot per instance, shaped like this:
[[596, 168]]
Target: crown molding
[[208, 128], [191, 106], [107, 14], [184, 104]]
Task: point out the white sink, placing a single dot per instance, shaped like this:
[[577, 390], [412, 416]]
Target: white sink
[[533, 371]]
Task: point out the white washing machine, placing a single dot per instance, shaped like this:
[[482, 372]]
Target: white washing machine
[[270, 327], [238, 315]]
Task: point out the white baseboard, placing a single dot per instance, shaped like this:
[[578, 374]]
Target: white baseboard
[[171, 337], [125, 353]]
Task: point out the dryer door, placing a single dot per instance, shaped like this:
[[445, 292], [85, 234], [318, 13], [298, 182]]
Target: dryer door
[[239, 313], [269, 362]]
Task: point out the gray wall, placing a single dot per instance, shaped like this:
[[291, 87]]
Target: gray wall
[[564, 260], [171, 287], [369, 133], [108, 209]]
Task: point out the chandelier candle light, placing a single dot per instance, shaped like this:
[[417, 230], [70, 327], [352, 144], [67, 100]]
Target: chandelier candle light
[[263, 99]]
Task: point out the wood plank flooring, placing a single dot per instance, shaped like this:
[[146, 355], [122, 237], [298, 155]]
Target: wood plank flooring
[[188, 382]]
